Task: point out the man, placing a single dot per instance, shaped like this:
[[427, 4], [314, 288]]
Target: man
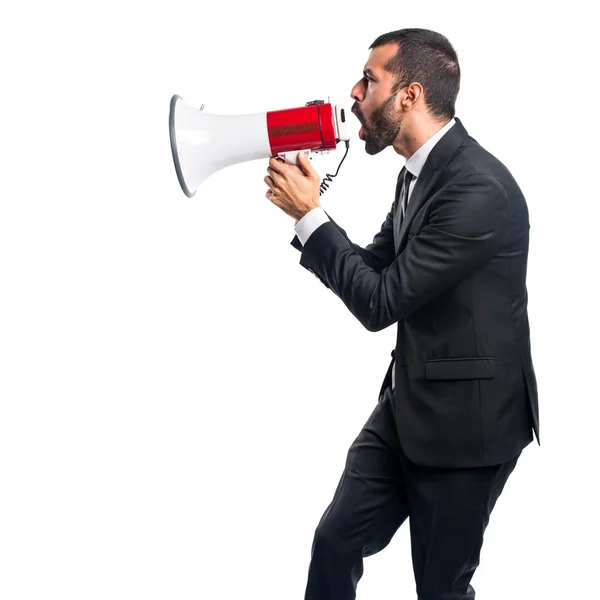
[[459, 400]]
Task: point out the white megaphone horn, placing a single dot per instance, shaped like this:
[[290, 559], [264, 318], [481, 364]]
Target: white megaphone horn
[[203, 143]]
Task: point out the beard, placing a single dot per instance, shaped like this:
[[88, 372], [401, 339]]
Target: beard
[[384, 127]]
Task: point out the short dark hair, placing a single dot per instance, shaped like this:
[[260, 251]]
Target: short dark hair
[[428, 58]]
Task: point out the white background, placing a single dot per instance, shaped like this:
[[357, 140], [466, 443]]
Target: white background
[[177, 393]]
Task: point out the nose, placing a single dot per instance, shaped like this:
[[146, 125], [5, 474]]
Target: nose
[[356, 92]]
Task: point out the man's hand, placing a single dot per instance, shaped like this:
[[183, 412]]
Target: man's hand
[[293, 188]]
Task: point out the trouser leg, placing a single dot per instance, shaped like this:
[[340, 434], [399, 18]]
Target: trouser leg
[[449, 512], [367, 508]]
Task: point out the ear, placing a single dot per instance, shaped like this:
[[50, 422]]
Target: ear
[[414, 92]]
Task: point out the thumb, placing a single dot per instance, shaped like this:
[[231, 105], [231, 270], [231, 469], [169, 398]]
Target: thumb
[[304, 162]]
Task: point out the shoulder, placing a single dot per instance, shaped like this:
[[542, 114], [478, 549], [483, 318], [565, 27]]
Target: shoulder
[[475, 163]]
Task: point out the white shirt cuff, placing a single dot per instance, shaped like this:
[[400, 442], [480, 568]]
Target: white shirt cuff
[[309, 222]]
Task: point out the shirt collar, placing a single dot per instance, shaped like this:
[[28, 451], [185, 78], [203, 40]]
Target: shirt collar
[[415, 163]]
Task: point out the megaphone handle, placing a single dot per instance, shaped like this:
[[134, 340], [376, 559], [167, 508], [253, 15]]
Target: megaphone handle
[[291, 157]]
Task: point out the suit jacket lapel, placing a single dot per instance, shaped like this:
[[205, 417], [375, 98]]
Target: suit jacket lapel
[[436, 161], [426, 180]]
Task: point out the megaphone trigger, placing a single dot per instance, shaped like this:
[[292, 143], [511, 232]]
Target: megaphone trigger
[[292, 156]]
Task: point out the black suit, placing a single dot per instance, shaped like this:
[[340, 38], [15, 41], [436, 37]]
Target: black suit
[[452, 277]]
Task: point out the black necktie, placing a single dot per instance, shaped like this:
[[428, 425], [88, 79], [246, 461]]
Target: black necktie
[[408, 177]]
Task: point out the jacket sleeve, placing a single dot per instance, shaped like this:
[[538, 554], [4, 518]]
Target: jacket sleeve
[[378, 254], [466, 228]]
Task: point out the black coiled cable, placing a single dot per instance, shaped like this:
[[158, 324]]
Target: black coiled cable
[[329, 176]]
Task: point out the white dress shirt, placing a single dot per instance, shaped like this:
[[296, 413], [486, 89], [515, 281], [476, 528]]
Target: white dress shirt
[[317, 216]]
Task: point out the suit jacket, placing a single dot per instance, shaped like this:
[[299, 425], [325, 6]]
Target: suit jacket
[[452, 276]]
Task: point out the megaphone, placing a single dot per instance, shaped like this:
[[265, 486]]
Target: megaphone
[[203, 143]]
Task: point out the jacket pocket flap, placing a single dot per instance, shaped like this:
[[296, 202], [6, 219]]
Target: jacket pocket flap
[[461, 368]]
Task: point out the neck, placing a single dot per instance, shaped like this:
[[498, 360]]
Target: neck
[[413, 134]]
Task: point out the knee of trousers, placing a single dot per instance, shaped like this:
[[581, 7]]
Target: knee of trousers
[[337, 540]]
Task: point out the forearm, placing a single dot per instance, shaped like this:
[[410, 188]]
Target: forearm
[[465, 231], [377, 255]]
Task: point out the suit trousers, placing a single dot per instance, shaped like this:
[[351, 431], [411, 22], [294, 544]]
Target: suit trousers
[[448, 511]]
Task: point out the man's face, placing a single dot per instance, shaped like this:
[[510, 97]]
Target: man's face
[[374, 105]]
